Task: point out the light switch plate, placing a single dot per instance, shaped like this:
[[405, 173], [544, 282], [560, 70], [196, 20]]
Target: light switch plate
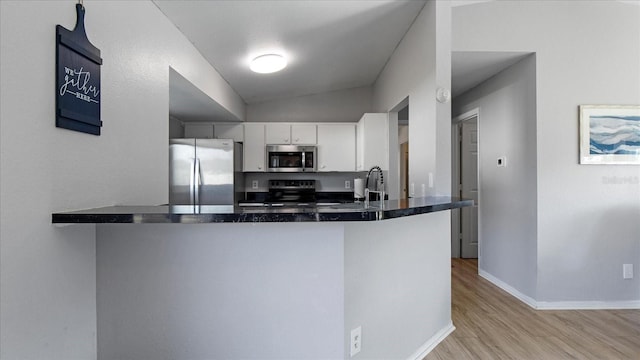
[[627, 271]]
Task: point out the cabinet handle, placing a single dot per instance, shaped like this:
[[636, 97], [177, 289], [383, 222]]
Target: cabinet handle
[[297, 140]]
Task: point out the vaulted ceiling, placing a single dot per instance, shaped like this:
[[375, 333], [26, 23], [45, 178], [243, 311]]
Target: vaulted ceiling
[[330, 45]]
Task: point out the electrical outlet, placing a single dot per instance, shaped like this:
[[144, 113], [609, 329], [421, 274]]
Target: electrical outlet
[[627, 271], [254, 184], [356, 341], [347, 184]]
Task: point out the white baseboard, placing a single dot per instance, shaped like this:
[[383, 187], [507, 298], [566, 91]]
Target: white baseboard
[[587, 305], [508, 288], [432, 342], [559, 305]]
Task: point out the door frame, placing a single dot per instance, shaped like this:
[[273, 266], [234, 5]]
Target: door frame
[[456, 186]]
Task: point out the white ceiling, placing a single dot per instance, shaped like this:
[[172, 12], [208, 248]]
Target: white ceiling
[[469, 69], [330, 45]]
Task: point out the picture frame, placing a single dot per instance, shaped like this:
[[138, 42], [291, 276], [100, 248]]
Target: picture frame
[[610, 134]]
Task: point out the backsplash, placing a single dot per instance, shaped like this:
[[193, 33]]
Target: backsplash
[[333, 181]]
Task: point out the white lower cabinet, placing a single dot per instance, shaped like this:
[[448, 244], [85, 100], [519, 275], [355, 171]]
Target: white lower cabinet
[[336, 147], [254, 147]]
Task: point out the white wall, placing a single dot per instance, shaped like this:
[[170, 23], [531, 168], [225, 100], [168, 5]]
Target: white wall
[[508, 203], [47, 274], [421, 63], [221, 291], [231, 291], [336, 106], [587, 52], [397, 284], [176, 130]]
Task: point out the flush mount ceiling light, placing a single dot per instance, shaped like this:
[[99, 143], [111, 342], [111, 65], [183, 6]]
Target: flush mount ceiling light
[[268, 63]]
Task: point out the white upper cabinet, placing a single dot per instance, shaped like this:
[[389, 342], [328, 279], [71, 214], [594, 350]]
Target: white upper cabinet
[[283, 133], [303, 134], [336, 147], [229, 131], [373, 142], [278, 133], [254, 147], [200, 131]]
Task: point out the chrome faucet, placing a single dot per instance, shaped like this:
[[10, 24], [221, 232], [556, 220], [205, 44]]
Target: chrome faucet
[[378, 190]]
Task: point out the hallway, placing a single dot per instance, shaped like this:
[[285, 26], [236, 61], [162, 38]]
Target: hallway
[[491, 324]]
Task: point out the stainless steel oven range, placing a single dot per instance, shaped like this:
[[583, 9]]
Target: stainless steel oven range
[[291, 193]]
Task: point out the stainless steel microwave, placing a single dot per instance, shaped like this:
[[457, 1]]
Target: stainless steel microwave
[[291, 158]]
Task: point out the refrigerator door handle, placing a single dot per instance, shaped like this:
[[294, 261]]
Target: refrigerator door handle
[[198, 181], [192, 181]]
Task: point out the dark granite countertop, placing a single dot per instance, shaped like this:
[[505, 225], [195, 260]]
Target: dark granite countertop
[[185, 214]]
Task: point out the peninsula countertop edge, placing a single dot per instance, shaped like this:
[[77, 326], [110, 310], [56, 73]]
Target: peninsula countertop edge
[[189, 214]]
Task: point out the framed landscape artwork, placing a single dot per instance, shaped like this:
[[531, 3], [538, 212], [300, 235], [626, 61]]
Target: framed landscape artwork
[[609, 134]]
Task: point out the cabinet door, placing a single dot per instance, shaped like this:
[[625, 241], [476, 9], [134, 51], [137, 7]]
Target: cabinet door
[[336, 147], [200, 131], [278, 133], [229, 131], [303, 134], [360, 146], [373, 142], [254, 147]]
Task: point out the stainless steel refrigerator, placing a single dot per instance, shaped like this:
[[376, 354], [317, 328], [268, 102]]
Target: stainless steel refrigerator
[[205, 172]]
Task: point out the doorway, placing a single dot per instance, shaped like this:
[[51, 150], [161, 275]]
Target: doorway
[[404, 170], [403, 141], [399, 150], [466, 184]]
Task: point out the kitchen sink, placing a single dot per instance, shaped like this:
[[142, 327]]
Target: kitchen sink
[[347, 206]]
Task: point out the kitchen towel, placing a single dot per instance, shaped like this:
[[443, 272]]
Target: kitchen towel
[[358, 189]]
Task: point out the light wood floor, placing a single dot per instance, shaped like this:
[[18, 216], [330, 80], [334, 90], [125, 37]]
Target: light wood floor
[[491, 324]]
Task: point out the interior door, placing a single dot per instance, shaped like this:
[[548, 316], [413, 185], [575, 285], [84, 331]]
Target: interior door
[[469, 181], [404, 170]]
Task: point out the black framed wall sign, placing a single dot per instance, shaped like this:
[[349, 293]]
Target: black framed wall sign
[[77, 79]]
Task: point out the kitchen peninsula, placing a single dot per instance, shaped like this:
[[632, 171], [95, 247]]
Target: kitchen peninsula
[[188, 214], [233, 282]]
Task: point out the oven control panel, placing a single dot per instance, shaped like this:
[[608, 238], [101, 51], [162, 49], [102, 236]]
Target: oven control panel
[[292, 184]]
